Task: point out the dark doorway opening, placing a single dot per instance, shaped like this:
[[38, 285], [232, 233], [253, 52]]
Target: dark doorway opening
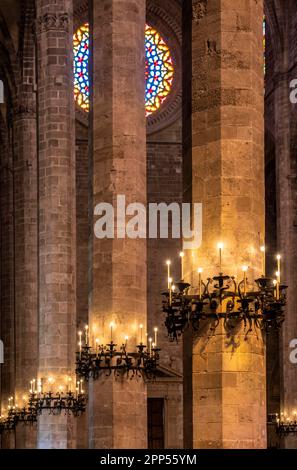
[[156, 423]]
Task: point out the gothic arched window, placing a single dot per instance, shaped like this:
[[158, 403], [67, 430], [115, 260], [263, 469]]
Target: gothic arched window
[[159, 70]]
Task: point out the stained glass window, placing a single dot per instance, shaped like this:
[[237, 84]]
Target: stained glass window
[[159, 70], [81, 63]]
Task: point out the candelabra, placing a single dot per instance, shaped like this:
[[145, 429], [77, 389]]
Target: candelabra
[[15, 415], [284, 425], [57, 402], [222, 298], [107, 359]]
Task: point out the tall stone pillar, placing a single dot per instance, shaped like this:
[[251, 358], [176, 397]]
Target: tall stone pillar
[[285, 152], [57, 223], [118, 406], [25, 213], [7, 290], [227, 164]]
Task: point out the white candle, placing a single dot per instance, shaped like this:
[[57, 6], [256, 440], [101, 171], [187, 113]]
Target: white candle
[[220, 248], [150, 343], [87, 335], [80, 342], [168, 271], [111, 330], [156, 333]]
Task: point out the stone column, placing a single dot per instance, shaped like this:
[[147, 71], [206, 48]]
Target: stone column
[[228, 379], [7, 289], [285, 152], [25, 212], [57, 243], [118, 406]]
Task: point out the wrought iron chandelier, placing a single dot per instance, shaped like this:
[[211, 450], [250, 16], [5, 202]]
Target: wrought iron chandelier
[[92, 362], [15, 415], [284, 424], [221, 298], [59, 401]]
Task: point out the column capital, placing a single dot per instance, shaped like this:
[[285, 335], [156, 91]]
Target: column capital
[[52, 22]]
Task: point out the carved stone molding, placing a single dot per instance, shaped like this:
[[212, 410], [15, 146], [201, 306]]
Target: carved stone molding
[[52, 22]]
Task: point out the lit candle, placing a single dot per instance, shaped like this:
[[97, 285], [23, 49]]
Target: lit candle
[[87, 335], [182, 256], [150, 342], [97, 345], [200, 271], [50, 381], [168, 271], [39, 386], [33, 385], [220, 248], [245, 270], [111, 330], [153, 346], [126, 341], [80, 336], [173, 289], [263, 251], [156, 333], [141, 333]]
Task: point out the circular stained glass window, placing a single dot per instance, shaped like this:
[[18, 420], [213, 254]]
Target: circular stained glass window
[[81, 67], [159, 70]]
